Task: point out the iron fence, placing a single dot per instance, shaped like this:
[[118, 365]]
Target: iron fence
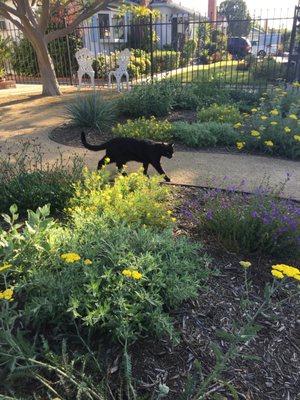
[[186, 47]]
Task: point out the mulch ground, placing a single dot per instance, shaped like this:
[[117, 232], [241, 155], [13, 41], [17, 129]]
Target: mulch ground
[[268, 365]]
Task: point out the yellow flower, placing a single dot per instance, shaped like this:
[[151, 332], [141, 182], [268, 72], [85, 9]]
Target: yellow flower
[[169, 212], [263, 117], [7, 294], [293, 116], [274, 123], [254, 110], [296, 84], [240, 145], [70, 257], [245, 264], [287, 129], [286, 270], [87, 262], [269, 143], [297, 137], [107, 160], [297, 277], [173, 219], [274, 112], [237, 125], [255, 133], [136, 275], [127, 272], [5, 266], [277, 274]]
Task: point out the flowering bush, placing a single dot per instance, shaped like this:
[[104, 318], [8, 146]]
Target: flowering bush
[[143, 128], [259, 223], [114, 265], [219, 113], [273, 127]]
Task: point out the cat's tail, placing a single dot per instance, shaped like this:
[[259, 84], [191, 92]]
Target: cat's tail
[[90, 146]]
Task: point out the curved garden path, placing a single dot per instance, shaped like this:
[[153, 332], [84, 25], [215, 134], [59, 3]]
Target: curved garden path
[[25, 115]]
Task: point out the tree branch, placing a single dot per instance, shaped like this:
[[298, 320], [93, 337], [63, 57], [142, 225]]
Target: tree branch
[[45, 15], [10, 18], [10, 10], [87, 13]]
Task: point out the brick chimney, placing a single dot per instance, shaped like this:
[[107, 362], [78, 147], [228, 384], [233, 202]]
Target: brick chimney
[[212, 10]]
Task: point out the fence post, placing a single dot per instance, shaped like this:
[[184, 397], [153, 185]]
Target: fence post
[[69, 54], [291, 62], [151, 47]]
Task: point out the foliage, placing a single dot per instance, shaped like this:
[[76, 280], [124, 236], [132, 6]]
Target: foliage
[[148, 99], [272, 128], [244, 100], [268, 69], [92, 111], [219, 113], [115, 266], [5, 53], [24, 60], [164, 60], [188, 51], [143, 128], [260, 223], [207, 134], [238, 17], [27, 181]]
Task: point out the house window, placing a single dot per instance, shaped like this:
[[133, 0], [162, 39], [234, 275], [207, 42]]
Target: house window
[[104, 26], [111, 27], [2, 26]]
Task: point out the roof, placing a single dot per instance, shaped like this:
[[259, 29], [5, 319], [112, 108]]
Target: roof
[[172, 4]]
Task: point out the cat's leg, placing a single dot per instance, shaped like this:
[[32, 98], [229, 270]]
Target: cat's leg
[[102, 162], [146, 165], [156, 164]]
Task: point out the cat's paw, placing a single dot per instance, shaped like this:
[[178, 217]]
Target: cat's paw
[[167, 179]]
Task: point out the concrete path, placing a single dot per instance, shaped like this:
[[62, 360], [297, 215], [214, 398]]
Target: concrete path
[[25, 115]]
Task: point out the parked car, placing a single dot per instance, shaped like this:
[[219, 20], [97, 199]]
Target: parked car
[[238, 47]]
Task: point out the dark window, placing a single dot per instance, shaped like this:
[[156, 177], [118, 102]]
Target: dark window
[[104, 26], [2, 26]]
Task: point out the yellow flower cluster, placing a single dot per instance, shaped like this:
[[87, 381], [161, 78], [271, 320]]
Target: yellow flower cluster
[[297, 138], [274, 112], [132, 274], [7, 295], [263, 117], [293, 116], [70, 257], [274, 123], [287, 129], [87, 262], [245, 264], [255, 133], [254, 110], [240, 145], [5, 267], [269, 143], [237, 125], [280, 271]]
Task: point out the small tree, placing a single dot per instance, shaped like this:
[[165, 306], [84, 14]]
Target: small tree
[[238, 17], [32, 17]]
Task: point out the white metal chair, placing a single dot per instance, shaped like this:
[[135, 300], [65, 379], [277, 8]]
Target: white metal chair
[[85, 60], [122, 61]]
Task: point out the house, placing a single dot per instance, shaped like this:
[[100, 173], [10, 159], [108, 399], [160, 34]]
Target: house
[[107, 31]]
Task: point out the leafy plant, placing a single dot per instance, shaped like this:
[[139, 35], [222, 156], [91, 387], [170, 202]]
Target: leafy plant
[[219, 113], [92, 111], [5, 53], [259, 223], [207, 134], [144, 129]]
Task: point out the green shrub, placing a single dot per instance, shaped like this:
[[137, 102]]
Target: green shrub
[[136, 269], [219, 113], [273, 127], [259, 223], [244, 100], [143, 128], [207, 134], [268, 69], [148, 99], [24, 60], [164, 60], [5, 54], [92, 111]]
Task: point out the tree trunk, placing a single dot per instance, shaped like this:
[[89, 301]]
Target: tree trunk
[[47, 72]]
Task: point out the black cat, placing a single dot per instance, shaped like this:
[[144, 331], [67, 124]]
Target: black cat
[[122, 150]]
